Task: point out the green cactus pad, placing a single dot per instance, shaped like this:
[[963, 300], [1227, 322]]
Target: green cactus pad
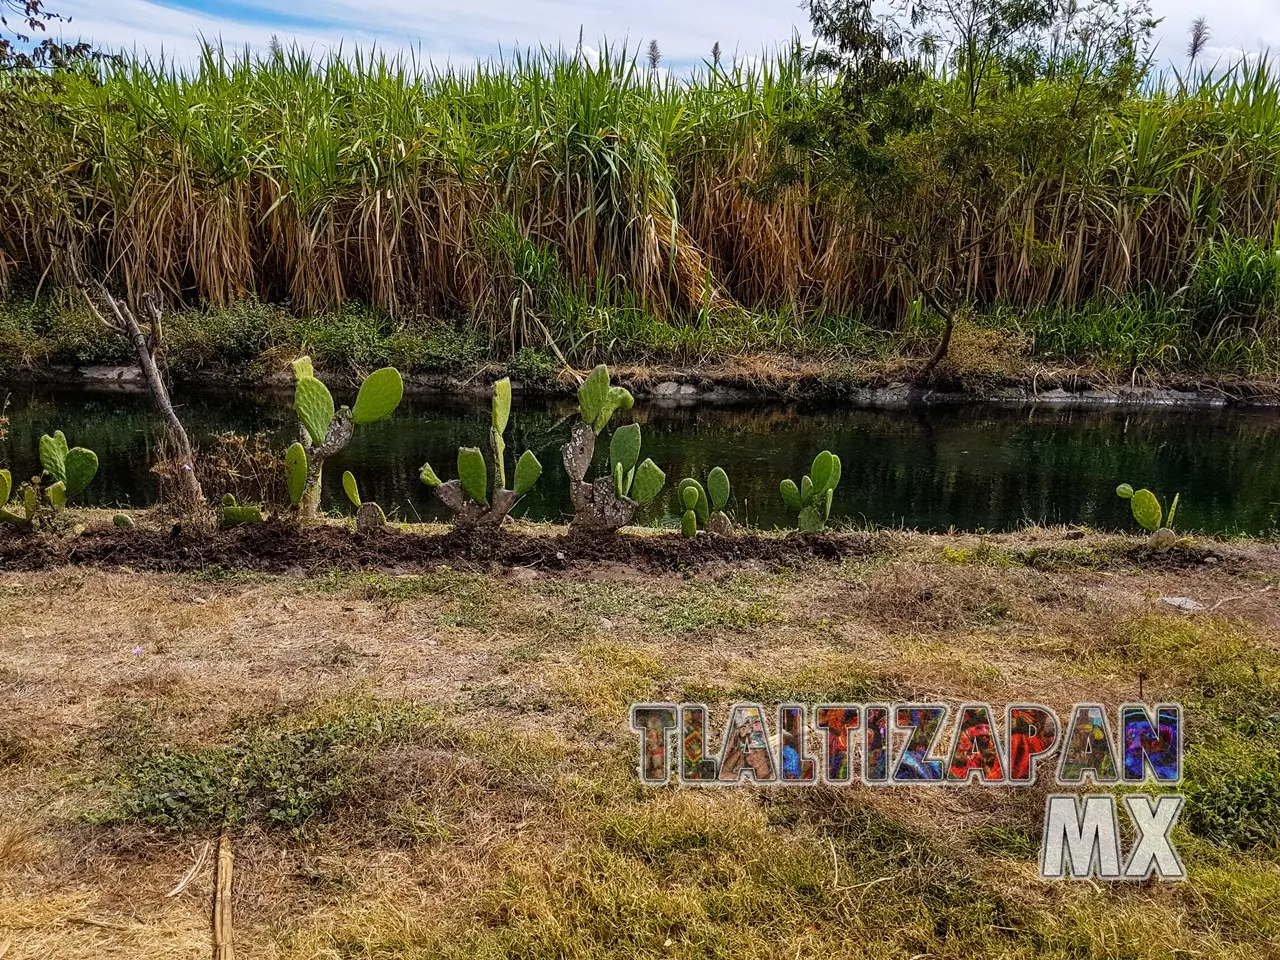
[[616, 399], [718, 488], [689, 524], [81, 466], [826, 510], [350, 487], [57, 494], [699, 505], [688, 497], [123, 521], [1125, 491], [528, 470], [821, 472], [624, 447], [835, 473], [53, 455], [471, 471], [1173, 509], [379, 396], [791, 494], [1146, 510], [295, 472], [228, 500], [499, 456], [314, 404], [428, 476], [648, 482], [811, 519], [237, 516], [592, 393], [501, 404], [619, 477], [806, 490], [6, 486], [302, 368], [30, 504]]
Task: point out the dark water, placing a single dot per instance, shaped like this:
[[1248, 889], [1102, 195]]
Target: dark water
[[972, 467]]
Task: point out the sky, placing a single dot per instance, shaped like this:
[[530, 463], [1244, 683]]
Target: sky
[[460, 31]]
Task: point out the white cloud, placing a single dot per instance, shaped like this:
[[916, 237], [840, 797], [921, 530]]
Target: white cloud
[[462, 30]]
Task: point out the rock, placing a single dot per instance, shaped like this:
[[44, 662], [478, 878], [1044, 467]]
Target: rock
[[666, 388], [1183, 603], [688, 390], [121, 374]]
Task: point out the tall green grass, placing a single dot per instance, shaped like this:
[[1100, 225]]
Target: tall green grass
[[556, 199]]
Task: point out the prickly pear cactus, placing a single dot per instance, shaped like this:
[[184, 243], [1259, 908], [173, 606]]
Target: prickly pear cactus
[[6, 486], [325, 431], [71, 469], [610, 502], [469, 497], [235, 515], [813, 496], [295, 470], [1146, 509], [123, 521]]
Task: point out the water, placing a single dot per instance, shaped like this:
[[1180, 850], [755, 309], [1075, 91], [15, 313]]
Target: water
[[971, 466]]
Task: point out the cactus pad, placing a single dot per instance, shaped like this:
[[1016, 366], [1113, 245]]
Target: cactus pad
[[648, 481], [689, 524], [6, 486], [501, 405], [428, 476], [295, 472], [592, 393], [1173, 509], [123, 521], [80, 467], [699, 505], [1124, 491], [57, 494], [528, 470], [350, 487], [812, 519], [302, 368], [314, 404], [822, 471], [1146, 510], [718, 488], [53, 455], [616, 399], [379, 396], [234, 516], [790, 494], [624, 447], [471, 471]]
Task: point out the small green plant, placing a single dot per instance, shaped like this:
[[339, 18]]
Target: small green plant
[[468, 496], [1150, 516], [69, 469], [704, 507], [235, 514], [610, 502], [324, 431], [812, 498], [369, 516], [123, 521]]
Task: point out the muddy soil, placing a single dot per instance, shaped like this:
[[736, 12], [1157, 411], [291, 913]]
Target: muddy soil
[[284, 548]]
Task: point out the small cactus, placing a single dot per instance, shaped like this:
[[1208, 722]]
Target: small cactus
[[369, 516], [704, 506], [610, 502], [235, 515], [812, 498], [295, 470], [123, 521], [1147, 510], [325, 431], [469, 497], [73, 468]]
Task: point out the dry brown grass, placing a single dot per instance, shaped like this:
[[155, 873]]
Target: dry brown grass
[[507, 822]]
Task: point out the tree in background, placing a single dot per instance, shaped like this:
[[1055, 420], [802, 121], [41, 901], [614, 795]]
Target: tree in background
[[930, 134], [20, 21]]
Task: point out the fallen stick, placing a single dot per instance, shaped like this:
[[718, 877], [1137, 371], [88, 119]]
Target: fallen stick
[[223, 944]]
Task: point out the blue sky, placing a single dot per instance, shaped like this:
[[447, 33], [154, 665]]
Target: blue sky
[[462, 30]]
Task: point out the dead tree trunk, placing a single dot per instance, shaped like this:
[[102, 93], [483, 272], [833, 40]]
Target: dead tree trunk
[[147, 345]]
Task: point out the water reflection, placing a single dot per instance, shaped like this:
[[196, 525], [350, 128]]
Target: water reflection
[[973, 466]]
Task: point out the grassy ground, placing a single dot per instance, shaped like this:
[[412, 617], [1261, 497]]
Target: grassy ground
[[1151, 342], [438, 765]]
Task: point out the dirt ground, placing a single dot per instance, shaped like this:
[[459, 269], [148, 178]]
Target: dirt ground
[[420, 747]]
